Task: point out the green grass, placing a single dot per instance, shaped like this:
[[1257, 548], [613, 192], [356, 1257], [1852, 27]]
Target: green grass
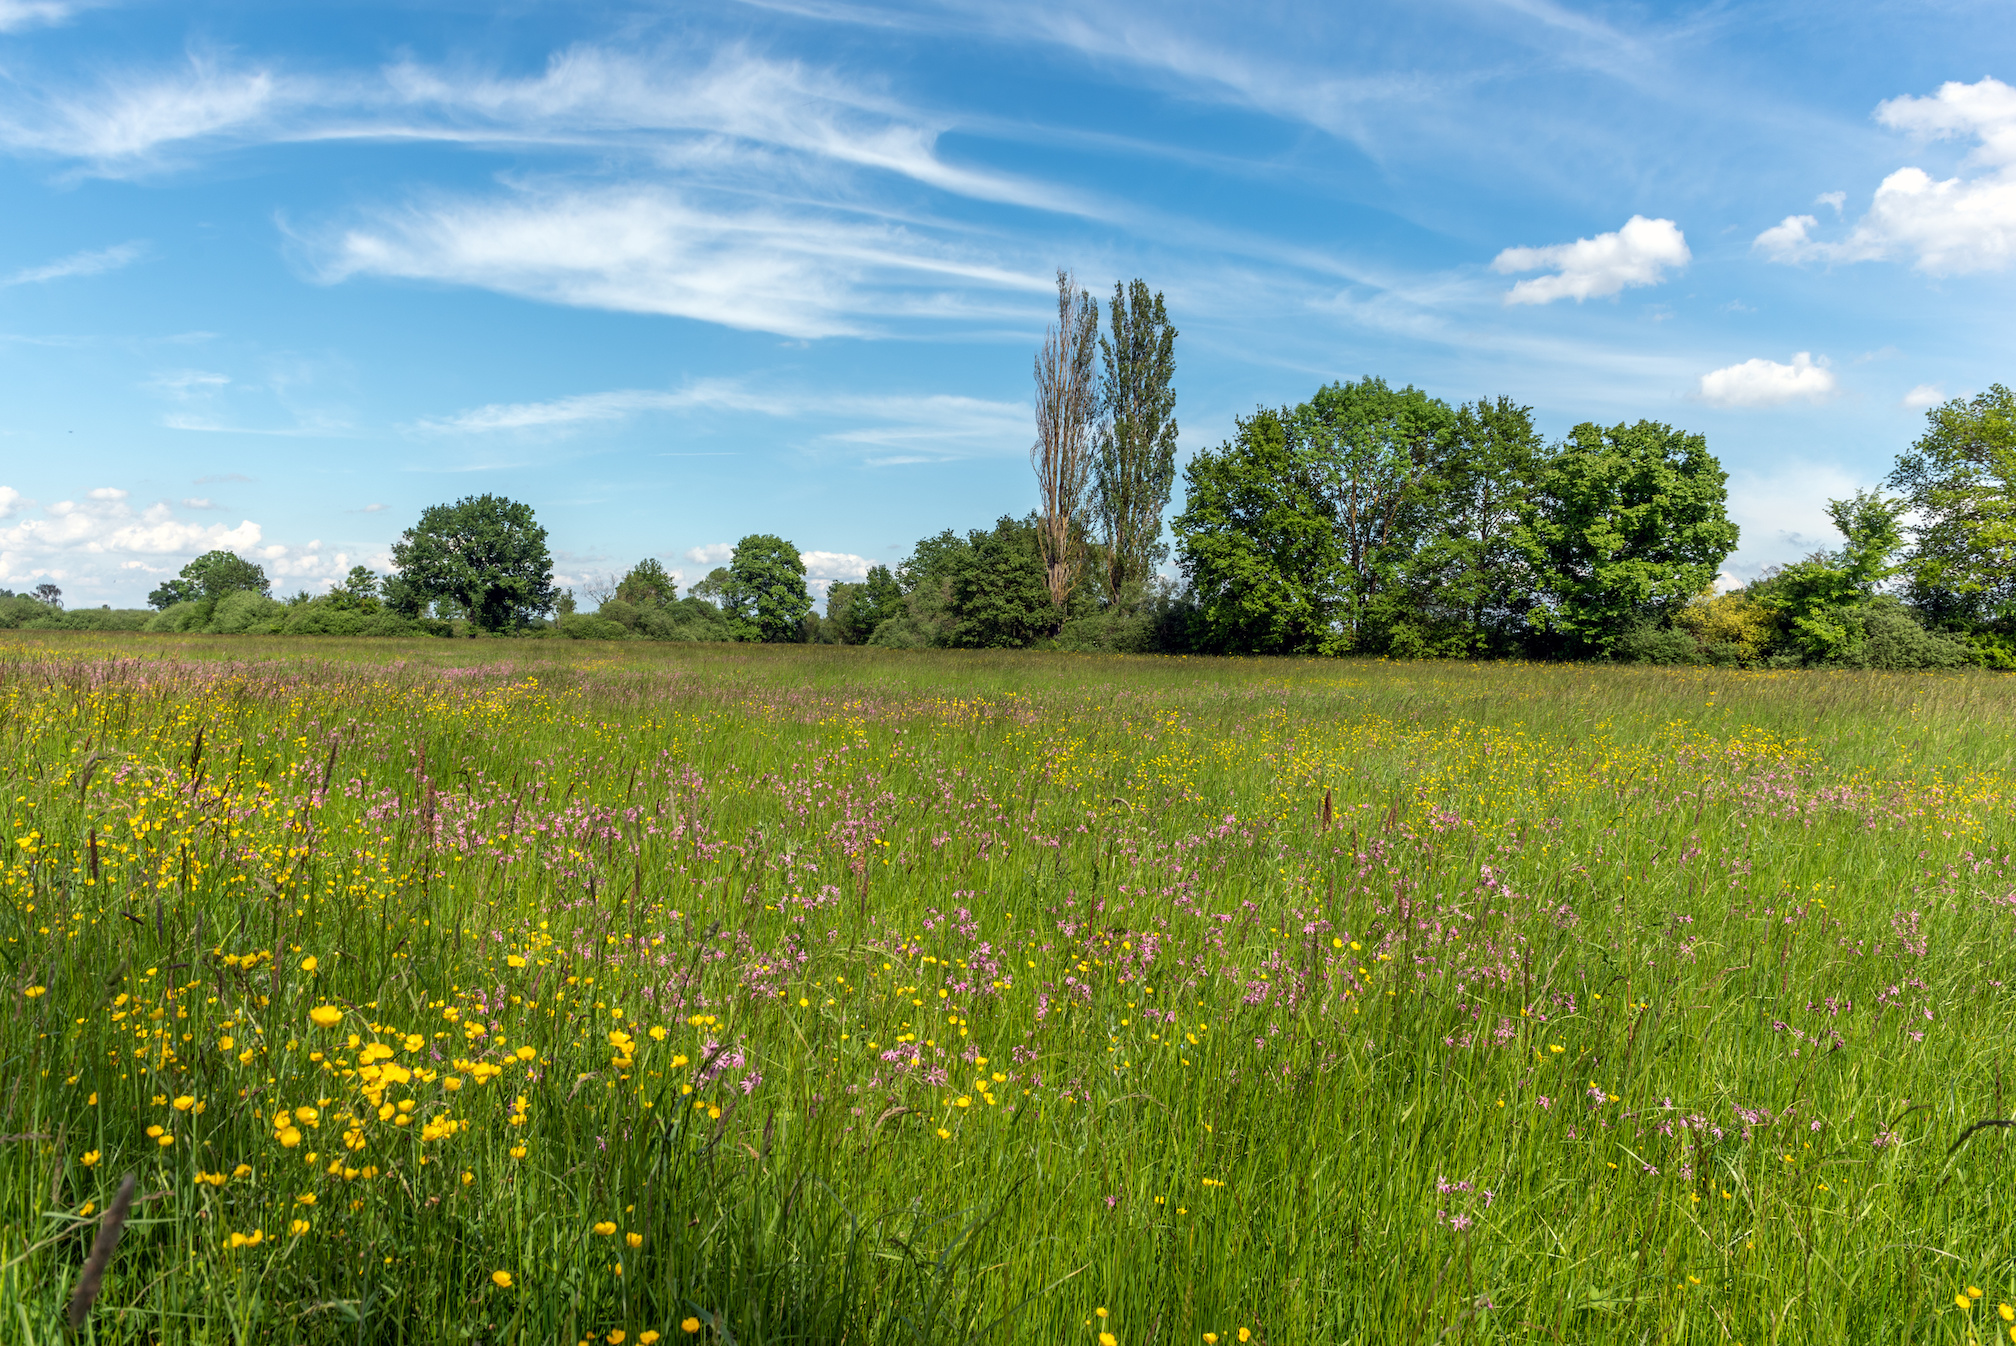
[[1278, 968]]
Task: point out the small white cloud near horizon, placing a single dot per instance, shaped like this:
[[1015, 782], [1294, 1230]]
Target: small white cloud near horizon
[[1923, 396], [101, 534], [91, 263], [1596, 268], [710, 554], [1950, 227], [1838, 200], [1766, 383]]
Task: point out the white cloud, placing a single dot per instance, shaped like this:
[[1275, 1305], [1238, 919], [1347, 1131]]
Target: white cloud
[[1949, 227], [711, 554], [78, 264], [1923, 396], [1766, 383], [17, 14], [128, 118], [641, 249], [894, 428], [198, 502], [103, 534], [1592, 268], [829, 567], [590, 408], [1838, 200]]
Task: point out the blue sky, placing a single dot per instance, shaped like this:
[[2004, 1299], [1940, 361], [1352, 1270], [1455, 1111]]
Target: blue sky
[[276, 277]]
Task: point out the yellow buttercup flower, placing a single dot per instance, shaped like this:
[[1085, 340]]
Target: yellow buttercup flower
[[501, 1279], [647, 1336], [1108, 1339], [298, 1228], [605, 1228], [308, 964], [690, 1325], [90, 1159], [635, 1240], [325, 1016], [616, 1337]]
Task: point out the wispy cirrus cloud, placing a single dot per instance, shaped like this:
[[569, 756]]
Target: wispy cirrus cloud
[[888, 429], [94, 262], [19, 14]]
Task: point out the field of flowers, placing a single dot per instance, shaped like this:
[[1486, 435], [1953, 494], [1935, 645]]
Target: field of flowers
[[514, 992]]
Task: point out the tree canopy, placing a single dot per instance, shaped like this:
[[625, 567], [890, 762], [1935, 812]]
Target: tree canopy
[[483, 556], [209, 577], [764, 593]]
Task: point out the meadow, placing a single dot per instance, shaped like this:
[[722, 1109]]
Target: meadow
[[519, 991]]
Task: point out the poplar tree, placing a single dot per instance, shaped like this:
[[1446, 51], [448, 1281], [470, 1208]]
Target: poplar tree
[[1134, 465], [1067, 402]]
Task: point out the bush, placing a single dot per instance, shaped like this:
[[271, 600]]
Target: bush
[[246, 612], [901, 633], [1892, 638], [178, 618], [1659, 645], [1110, 633], [322, 618], [1734, 627], [581, 626]]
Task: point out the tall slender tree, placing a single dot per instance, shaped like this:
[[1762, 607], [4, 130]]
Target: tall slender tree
[[1066, 403], [1135, 464]]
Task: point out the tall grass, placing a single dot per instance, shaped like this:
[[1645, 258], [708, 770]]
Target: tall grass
[[784, 994]]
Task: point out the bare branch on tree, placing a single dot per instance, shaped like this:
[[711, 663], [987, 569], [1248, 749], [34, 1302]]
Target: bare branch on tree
[[1067, 400]]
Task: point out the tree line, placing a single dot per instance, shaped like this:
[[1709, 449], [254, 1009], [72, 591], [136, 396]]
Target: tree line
[[1368, 520]]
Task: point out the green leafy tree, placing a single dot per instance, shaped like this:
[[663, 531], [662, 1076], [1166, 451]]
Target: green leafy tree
[[1465, 588], [484, 555], [1959, 483], [209, 577], [999, 588], [1818, 600], [357, 593], [853, 611], [1377, 452], [1258, 540], [764, 594], [1623, 525], [648, 584], [1134, 459], [713, 587]]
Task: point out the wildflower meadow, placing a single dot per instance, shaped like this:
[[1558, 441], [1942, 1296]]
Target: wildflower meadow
[[510, 992]]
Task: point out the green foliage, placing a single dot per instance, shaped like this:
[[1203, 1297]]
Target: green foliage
[[1625, 525], [1817, 601], [986, 590], [1374, 452], [764, 593], [1257, 539], [209, 578], [359, 592], [246, 612], [484, 555], [648, 584], [853, 611], [1959, 484], [1134, 463]]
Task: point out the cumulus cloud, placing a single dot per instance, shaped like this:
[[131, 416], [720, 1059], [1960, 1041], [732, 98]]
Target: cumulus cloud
[[1923, 396], [1594, 268], [1950, 226], [78, 264], [1766, 383], [711, 553], [103, 533]]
